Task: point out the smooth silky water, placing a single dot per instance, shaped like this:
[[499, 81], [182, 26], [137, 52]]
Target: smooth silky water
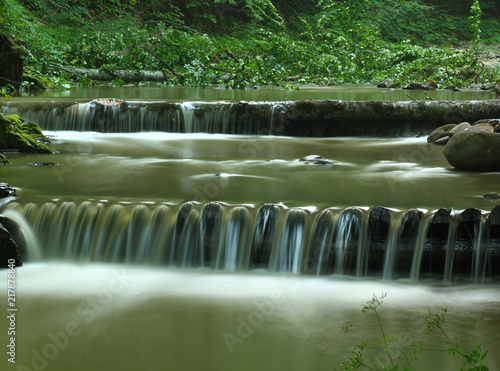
[[154, 250]]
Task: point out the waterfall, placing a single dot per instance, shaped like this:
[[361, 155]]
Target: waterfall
[[451, 245], [284, 118], [112, 115]]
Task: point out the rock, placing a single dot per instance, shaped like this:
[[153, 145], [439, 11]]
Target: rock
[[387, 84], [491, 196], [417, 86], [452, 88], [459, 128], [3, 160], [442, 141], [474, 150], [485, 127], [431, 84], [23, 137], [11, 63], [320, 161], [110, 102], [492, 122], [440, 132], [8, 249], [7, 191], [43, 163], [311, 158], [316, 160]]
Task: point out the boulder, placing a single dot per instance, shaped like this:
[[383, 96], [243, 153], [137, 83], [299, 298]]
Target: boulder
[[485, 127], [474, 150], [440, 132], [14, 134], [8, 249], [460, 127]]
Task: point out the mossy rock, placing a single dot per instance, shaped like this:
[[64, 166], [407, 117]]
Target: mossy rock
[[3, 160], [15, 135], [37, 83]]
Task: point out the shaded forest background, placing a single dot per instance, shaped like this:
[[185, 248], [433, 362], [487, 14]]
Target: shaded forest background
[[242, 43]]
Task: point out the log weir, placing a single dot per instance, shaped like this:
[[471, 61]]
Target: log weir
[[314, 118], [438, 245]]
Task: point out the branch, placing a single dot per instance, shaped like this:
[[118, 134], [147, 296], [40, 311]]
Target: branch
[[231, 55], [179, 77]]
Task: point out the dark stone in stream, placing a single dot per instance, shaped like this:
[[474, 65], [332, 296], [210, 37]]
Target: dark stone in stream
[[387, 84], [491, 196], [474, 150], [316, 160], [436, 137], [417, 86], [43, 163], [8, 248], [7, 191]]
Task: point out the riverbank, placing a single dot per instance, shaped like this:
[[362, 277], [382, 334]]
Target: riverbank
[[255, 44]]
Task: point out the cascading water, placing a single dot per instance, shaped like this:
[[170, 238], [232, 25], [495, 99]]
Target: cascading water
[[223, 252], [272, 238]]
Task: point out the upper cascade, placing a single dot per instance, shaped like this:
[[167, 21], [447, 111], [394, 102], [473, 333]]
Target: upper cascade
[[324, 118]]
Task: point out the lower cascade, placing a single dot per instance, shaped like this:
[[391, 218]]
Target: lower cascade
[[439, 245]]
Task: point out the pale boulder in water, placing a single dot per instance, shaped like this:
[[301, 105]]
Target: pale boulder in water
[[474, 150]]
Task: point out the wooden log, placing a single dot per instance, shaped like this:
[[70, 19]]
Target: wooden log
[[128, 76]]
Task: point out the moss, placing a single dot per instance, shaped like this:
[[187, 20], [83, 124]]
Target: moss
[[15, 135], [15, 119], [36, 82], [33, 128]]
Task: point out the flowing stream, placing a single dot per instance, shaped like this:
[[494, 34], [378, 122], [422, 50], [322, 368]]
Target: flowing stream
[[187, 241]]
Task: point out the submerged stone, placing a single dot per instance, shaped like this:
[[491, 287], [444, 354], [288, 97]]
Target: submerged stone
[[491, 196]]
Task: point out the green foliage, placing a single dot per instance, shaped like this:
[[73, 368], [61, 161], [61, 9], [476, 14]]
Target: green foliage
[[242, 43], [387, 353], [475, 23]]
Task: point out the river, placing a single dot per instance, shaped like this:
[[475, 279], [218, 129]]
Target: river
[[195, 251]]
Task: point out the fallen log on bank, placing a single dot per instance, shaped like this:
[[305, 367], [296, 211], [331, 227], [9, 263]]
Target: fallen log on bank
[[319, 118], [129, 76]]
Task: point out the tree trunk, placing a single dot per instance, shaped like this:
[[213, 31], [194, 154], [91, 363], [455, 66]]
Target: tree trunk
[[11, 63]]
